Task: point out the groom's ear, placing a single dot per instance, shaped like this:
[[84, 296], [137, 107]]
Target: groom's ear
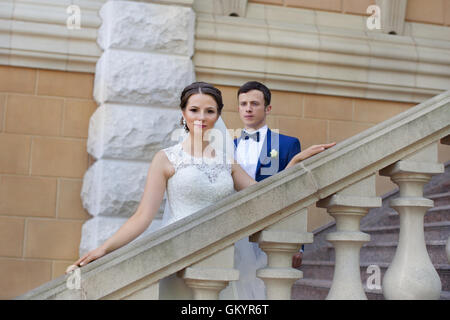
[[268, 109]]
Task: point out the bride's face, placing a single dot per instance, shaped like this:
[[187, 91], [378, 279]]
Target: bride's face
[[201, 113]]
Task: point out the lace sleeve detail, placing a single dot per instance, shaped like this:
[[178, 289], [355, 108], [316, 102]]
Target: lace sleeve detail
[[172, 155]]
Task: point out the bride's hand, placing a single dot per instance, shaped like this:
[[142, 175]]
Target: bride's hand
[[312, 150], [88, 257]]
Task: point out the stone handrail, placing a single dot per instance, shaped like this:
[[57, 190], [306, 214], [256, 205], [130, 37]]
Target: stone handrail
[[132, 269]]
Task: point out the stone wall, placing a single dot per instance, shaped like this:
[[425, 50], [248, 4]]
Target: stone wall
[[44, 117]]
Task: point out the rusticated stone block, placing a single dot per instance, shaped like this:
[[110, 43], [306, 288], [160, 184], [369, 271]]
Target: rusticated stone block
[[145, 132], [147, 27], [113, 188], [142, 78]]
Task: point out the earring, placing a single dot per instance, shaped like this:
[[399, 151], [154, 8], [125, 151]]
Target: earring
[[185, 125]]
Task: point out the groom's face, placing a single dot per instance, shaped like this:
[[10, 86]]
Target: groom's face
[[252, 110]]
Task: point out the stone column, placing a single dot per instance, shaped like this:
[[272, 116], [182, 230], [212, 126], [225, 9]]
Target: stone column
[[211, 275], [411, 274], [348, 207], [280, 242], [392, 15], [139, 77]]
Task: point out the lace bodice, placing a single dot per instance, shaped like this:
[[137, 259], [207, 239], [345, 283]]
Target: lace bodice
[[196, 184]]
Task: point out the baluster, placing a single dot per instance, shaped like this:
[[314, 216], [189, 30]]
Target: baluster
[[280, 242], [411, 274], [211, 275], [348, 207]]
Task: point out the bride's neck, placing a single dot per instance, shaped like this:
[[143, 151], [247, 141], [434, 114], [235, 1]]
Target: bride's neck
[[196, 146]]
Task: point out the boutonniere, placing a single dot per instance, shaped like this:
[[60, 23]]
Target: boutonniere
[[273, 153]]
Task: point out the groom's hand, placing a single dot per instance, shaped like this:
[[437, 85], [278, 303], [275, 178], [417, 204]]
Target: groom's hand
[[309, 152], [297, 260], [312, 150]]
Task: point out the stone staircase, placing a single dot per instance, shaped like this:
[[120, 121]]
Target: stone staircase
[[383, 226]]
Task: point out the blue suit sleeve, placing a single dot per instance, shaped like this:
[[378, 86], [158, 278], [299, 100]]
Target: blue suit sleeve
[[294, 149]]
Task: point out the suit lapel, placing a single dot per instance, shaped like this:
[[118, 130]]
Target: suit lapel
[[264, 157]]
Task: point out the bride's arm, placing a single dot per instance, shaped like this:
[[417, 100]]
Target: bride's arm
[[159, 172]]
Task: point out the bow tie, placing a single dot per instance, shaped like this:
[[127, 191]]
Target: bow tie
[[246, 135]]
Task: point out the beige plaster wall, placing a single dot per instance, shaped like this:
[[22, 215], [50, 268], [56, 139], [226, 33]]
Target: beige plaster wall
[[44, 117], [430, 11]]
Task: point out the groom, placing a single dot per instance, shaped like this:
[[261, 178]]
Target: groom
[[260, 151]]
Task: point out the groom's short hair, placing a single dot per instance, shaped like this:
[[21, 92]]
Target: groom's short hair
[[255, 85]]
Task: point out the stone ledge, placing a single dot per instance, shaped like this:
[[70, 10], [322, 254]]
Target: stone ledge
[[282, 237], [413, 167], [279, 273], [322, 53], [348, 236], [217, 274], [350, 201], [411, 202], [34, 34]]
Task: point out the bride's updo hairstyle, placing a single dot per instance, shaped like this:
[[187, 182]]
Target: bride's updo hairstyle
[[203, 88]]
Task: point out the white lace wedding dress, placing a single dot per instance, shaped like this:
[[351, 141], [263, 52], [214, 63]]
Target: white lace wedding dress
[[196, 184]]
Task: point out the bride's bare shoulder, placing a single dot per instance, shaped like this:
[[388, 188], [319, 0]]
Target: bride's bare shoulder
[[162, 162]]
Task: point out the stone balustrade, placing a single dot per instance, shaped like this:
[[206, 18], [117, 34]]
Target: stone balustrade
[[340, 179], [348, 206], [280, 241], [211, 275], [411, 274]]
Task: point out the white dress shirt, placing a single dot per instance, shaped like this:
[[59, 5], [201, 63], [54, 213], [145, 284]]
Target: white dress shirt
[[248, 151]]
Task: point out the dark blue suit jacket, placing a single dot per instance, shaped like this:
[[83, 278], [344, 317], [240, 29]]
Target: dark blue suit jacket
[[286, 148]]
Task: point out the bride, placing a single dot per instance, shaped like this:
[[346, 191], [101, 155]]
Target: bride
[[195, 175]]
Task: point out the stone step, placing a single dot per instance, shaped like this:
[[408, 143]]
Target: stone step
[[325, 269], [433, 231], [385, 251], [312, 289], [438, 213], [440, 199]]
